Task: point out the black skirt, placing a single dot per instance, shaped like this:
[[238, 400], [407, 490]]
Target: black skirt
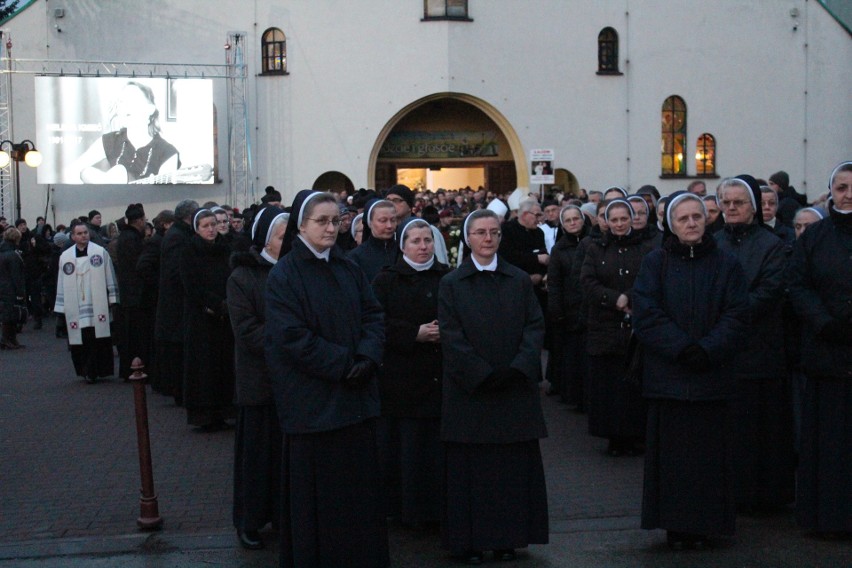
[[169, 377], [135, 340], [764, 458], [257, 468], [495, 496], [331, 505], [616, 408], [94, 357], [688, 468], [412, 458], [824, 484]]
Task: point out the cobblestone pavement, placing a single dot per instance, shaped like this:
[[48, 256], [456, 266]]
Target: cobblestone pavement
[[69, 479]]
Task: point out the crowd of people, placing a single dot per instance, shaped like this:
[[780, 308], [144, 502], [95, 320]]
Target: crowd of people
[[379, 354]]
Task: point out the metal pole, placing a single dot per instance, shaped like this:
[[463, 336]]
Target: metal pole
[[17, 183], [149, 518]]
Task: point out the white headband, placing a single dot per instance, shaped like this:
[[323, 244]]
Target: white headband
[[410, 225], [304, 206], [354, 225], [621, 202], [670, 206], [834, 172], [368, 214], [737, 181], [195, 218]]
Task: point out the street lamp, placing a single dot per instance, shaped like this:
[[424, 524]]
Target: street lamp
[[21, 152]]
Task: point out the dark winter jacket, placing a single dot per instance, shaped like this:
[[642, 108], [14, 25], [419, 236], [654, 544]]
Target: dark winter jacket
[[247, 309], [148, 269], [374, 254], [761, 255], [320, 317], [490, 321], [521, 246], [609, 270], [687, 296], [170, 302], [129, 247], [576, 267], [410, 378], [208, 339], [12, 283], [563, 291], [820, 286]]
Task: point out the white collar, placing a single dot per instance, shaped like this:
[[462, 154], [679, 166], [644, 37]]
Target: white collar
[[419, 266], [490, 267], [268, 257], [320, 255]]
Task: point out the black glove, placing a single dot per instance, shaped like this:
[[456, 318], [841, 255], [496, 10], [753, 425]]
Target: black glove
[[359, 374], [837, 332], [695, 358]]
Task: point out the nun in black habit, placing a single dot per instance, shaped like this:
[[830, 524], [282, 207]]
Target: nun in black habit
[[208, 378], [690, 313], [410, 378], [324, 340], [492, 331], [257, 453], [378, 247], [820, 284], [763, 410]]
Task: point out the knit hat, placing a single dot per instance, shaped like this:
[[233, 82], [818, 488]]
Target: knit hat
[[92, 213], [59, 239], [781, 179], [404, 192], [271, 195], [134, 211]]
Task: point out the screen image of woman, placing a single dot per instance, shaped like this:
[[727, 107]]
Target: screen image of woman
[[133, 149]]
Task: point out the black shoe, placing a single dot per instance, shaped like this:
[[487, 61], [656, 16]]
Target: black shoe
[[505, 555], [250, 540]]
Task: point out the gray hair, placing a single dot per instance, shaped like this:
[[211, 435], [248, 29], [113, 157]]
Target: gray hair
[[526, 205], [186, 209]]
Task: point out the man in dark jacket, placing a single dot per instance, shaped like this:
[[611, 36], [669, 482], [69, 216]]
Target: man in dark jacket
[[763, 410], [492, 330], [169, 328], [132, 320], [35, 251]]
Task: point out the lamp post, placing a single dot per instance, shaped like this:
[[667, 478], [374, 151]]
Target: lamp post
[[19, 152]]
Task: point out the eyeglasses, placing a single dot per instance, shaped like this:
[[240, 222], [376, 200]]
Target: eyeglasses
[[737, 203], [395, 199], [537, 215], [324, 221], [222, 222], [480, 233]]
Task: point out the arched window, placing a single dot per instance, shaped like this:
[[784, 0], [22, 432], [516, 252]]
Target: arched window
[[673, 126], [273, 49], [705, 155], [608, 52]]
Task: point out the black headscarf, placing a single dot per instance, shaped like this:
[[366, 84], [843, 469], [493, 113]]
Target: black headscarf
[[292, 230]]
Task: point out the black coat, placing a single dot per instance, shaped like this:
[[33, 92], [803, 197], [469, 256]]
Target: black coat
[[609, 269], [563, 291], [521, 246], [247, 309], [490, 321], [690, 296], [374, 254], [410, 378], [12, 283], [320, 316], [148, 269], [208, 339], [761, 254], [820, 286], [130, 286], [170, 301]]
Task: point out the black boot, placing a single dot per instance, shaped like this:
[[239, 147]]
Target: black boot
[[38, 324], [8, 340]]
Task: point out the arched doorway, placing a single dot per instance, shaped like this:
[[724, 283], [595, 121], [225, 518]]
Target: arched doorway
[[335, 182], [566, 182], [448, 140]]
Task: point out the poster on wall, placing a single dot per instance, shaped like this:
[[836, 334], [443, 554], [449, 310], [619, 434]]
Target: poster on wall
[[110, 130], [541, 167]]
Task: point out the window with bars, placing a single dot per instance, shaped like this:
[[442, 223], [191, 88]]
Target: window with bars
[[273, 51], [445, 10], [705, 155], [608, 52], [673, 126]]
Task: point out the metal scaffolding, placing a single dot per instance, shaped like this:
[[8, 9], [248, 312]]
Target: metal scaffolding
[[234, 70]]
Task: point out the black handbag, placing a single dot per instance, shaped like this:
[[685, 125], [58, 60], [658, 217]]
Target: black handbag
[[635, 362]]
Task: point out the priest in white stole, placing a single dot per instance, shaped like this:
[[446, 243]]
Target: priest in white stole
[[84, 293]]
